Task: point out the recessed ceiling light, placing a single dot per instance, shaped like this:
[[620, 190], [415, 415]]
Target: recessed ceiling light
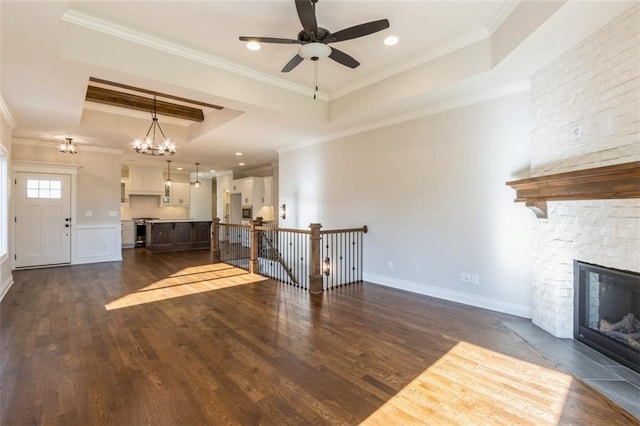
[[212, 171], [391, 40], [240, 164], [238, 154], [253, 45], [179, 168]]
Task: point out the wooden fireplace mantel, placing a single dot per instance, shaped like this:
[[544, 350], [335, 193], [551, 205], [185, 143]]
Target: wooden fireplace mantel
[[600, 183]]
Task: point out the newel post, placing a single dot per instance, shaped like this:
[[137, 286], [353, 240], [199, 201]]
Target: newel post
[[315, 276], [215, 240], [254, 245]]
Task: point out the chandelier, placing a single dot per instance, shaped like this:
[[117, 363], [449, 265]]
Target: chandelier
[[67, 147], [148, 145]]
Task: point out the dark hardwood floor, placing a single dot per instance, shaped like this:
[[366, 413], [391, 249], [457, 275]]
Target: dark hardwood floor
[[167, 339]]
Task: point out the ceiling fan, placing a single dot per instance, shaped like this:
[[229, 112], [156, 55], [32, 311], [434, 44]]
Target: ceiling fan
[[315, 39]]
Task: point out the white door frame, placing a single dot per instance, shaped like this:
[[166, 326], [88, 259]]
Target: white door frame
[[37, 167]]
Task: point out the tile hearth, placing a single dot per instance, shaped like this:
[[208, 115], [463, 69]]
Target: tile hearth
[[613, 380]]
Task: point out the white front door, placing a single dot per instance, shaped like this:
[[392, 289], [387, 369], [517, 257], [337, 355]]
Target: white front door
[[43, 219]]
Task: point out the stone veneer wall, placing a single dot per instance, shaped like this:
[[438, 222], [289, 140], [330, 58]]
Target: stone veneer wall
[[596, 85]]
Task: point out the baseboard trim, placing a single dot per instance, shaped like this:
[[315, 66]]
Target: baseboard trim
[[6, 285], [451, 295]]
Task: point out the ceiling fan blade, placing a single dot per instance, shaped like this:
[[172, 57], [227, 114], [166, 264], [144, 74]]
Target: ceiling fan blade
[[270, 40], [307, 15], [292, 63], [342, 58], [358, 31]]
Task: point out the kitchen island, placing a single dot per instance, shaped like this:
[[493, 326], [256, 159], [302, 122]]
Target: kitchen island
[[164, 235]]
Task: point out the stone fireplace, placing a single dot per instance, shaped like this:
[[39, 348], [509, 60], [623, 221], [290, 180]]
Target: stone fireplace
[[585, 115]]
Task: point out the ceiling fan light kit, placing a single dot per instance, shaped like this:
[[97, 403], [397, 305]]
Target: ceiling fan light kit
[[314, 51]]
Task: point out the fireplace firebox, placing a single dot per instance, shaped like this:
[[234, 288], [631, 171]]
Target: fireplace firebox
[[607, 311]]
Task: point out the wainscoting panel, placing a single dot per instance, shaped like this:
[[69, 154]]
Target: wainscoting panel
[[97, 243]]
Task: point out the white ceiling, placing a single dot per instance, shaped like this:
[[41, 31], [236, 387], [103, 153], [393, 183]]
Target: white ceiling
[[450, 53]]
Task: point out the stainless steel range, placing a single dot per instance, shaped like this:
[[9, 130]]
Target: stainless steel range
[[141, 229]]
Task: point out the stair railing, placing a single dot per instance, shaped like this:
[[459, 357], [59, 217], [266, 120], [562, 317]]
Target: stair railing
[[312, 259]]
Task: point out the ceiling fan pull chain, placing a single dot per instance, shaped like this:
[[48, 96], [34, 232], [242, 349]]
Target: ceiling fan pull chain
[[315, 78]]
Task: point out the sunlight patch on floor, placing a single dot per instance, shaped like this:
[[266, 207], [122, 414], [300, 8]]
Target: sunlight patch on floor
[[474, 385], [188, 281]]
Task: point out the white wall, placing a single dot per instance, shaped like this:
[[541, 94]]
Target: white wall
[[433, 194], [201, 199], [595, 85]]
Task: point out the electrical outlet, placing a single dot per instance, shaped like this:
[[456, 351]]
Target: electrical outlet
[[475, 279], [465, 277], [390, 265]]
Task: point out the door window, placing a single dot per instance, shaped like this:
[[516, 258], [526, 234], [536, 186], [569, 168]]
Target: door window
[[37, 188]]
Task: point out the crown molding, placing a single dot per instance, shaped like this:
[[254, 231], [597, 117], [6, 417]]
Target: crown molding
[[488, 95], [87, 21], [6, 114], [50, 144], [501, 15], [44, 167]]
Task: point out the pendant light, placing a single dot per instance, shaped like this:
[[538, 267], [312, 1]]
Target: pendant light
[[197, 183], [67, 147], [168, 181]]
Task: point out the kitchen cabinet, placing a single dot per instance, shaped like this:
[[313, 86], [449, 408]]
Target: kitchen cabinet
[[247, 191], [201, 235], [182, 235], [124, 192], [257, 193], [250, 190], [177, 194], [181, 194], [179, 235], [267, 191], [145, 181], [159, 236], [235, 186], [128, 234]]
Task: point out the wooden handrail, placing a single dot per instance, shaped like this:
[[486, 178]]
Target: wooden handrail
[[235, 225], [364, 229], [311, 252], [271, 228]]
